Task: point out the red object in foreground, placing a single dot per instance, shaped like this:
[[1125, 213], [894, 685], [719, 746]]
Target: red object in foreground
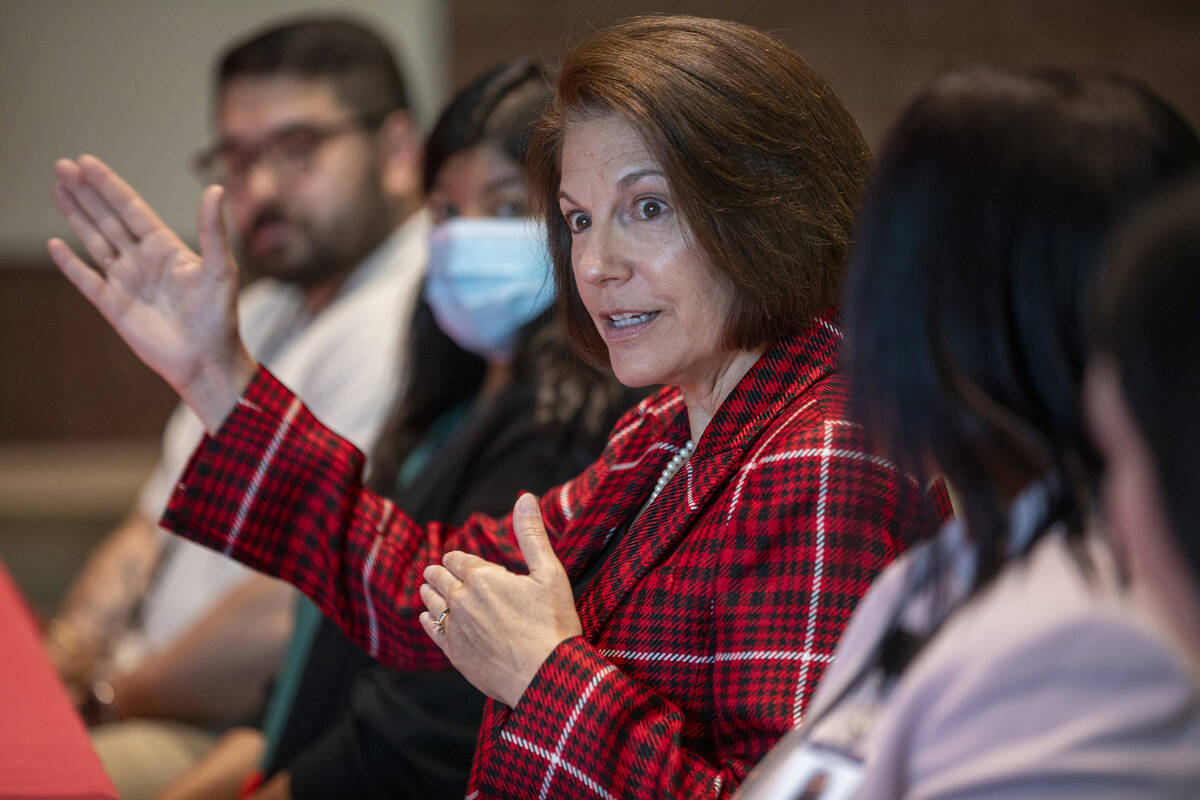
[[253, 782], [44, 748]]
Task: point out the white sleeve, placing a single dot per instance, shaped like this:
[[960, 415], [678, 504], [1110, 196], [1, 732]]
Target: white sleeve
[[348, 367], [180, 437]]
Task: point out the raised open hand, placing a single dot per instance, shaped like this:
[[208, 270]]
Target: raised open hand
[[175, 309], [500, 627]]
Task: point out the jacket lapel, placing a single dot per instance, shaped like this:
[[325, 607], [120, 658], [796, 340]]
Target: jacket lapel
[[771, 386], [620, 490]]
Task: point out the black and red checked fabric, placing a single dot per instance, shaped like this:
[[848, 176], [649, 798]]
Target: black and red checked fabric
[[705, 631]]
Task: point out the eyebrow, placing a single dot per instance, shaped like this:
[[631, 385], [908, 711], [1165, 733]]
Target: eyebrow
[[501, 183], [226, 142], [631, 178], [625, 181]]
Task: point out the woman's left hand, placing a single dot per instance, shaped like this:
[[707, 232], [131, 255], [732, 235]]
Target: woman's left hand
[[501, 626]]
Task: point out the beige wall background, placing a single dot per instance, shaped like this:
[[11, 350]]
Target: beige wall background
[[128, 80]]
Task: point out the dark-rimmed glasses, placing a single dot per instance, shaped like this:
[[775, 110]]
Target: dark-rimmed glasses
[[288, 152]]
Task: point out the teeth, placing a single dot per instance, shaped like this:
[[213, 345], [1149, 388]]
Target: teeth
[[625, 320]]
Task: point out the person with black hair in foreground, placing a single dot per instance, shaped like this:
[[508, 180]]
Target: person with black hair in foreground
[[1001, 660], [1143, 402]]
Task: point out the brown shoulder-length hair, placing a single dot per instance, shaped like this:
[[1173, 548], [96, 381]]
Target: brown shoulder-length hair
[[764, 162]]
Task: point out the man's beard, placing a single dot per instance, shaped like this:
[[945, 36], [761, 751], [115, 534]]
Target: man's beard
[[307, 265], [319, 256]]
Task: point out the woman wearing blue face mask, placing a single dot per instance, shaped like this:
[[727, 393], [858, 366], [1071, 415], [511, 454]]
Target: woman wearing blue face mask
[[497, 404], [489, 271]]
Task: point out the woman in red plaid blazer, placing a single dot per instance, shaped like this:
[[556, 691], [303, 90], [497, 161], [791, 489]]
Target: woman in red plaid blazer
[[650, 628]]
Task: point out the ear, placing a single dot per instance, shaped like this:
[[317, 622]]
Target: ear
[[400, 159]]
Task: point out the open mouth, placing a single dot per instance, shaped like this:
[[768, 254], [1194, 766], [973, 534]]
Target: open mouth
[[629, 319]]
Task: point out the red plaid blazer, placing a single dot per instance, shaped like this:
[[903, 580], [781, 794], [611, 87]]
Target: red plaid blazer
[[706, 630]]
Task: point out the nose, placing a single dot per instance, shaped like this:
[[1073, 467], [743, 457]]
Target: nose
[[257, 189], [598, 256], [260, 184]]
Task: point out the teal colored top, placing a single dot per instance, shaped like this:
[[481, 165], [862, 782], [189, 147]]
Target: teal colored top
[[308, 617]]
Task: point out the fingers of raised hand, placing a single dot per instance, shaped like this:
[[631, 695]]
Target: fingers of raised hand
[[109, 217], [94, 241], [86, 279], [214, 242], [133, 211], [103, 215]]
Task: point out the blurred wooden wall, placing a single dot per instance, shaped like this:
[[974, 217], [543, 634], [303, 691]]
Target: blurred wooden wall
[[66, 375], [878, 53]]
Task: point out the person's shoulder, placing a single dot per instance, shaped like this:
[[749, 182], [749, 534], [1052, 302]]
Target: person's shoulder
[[825, 400], [1051, 641], [869, 624], [1057, 585], [1049, 677], [817, 424]]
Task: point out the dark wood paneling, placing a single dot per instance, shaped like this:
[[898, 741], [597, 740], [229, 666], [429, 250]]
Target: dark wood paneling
[[66, 374], [877, 54]]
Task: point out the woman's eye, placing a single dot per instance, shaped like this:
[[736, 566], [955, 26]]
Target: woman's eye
[[444, 211], [650, 208], [578, 221]]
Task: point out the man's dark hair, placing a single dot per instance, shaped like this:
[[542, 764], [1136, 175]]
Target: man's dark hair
[[1147, 325], [361, 65], [965, 318]]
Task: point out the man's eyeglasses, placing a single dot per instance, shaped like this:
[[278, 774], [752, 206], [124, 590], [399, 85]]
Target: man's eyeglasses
[[288, 152]]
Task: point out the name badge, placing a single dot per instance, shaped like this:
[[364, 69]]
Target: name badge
[[813, 772]]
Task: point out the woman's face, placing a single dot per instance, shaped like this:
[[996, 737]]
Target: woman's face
[[480, 182], [657, 302]]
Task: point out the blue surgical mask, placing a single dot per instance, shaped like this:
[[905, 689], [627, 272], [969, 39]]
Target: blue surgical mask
[[487, 279]]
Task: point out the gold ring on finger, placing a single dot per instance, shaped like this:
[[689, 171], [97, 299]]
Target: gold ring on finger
[[439, 624]]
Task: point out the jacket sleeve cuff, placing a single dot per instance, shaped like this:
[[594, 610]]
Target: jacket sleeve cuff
[[565, 702], [208, 497], [250, 424]]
